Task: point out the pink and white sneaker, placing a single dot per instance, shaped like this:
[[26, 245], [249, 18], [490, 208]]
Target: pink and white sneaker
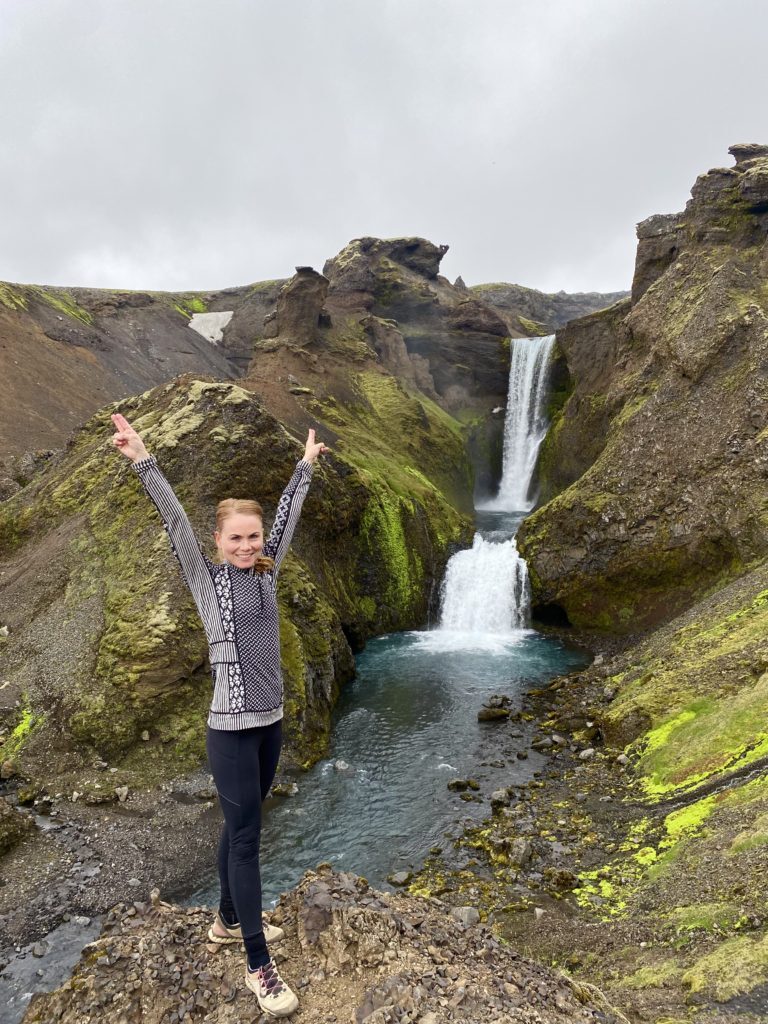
[[274, 996]]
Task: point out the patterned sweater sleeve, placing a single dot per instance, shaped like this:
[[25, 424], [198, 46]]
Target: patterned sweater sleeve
[[288, 512], [194, 565]]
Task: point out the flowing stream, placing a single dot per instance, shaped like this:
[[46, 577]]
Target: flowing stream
[[407, 725]]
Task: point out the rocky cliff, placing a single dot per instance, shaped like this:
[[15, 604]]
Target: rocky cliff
[[653, 816], [64, 353], [656, 465]]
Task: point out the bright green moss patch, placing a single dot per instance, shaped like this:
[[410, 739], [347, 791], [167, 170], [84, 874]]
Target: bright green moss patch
[[705, 737], [11, 298], [734, 968], [687, 820], [188, 305], [20, 734]]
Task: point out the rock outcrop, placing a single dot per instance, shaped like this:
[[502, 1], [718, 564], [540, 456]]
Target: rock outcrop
[[656, 465], [103, 641], [528, 312], [353, 954]]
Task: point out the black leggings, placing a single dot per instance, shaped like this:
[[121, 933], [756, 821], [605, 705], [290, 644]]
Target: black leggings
[[243, 764]]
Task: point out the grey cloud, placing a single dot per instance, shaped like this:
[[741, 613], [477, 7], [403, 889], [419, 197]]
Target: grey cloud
[[190, 144]]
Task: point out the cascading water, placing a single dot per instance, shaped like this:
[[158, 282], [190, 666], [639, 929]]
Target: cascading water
[[525, 424], [486, 590]]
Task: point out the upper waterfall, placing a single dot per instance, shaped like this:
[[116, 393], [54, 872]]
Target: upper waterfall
[[525, 424]]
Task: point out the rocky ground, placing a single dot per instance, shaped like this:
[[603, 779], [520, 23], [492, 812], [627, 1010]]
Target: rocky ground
[[663, 905], [353, 954]]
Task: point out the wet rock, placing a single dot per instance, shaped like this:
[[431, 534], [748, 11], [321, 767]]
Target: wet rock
[[400, 878], [493, 714], [500, 798], [285, 789]]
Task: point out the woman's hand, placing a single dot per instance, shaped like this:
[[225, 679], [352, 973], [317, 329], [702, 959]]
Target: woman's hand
[[313, 448], [127, 440]]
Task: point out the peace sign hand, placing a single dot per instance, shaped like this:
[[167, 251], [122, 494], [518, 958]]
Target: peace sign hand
[[313, 448], [127, 440]]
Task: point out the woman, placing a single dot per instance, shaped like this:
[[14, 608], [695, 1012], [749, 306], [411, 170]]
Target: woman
[[236, 599]]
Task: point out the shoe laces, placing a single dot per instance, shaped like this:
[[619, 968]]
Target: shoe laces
[[270, 979]]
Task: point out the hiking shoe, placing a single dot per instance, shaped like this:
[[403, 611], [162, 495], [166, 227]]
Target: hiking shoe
[[235, 934], [273, 994]]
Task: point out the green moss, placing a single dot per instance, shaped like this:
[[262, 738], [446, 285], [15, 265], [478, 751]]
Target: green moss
[[532, 328], [63, 302], [382, 528], [11, 298], [657, 975], [751, 838], [188, 305], [736, 967], [706, 736], [687, 820], [27, 722], [707, 917]]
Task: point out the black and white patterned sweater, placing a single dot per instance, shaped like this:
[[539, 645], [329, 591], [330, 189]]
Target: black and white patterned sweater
[[238, 606]]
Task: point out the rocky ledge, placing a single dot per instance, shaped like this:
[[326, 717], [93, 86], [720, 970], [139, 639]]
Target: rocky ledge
[[352, 953]]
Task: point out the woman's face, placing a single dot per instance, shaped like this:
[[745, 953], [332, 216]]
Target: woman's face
[[240, 540]]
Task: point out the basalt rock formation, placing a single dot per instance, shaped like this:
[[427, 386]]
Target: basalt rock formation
[[656, 465]]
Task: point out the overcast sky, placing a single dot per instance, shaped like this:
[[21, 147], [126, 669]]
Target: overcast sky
[[172, 144]]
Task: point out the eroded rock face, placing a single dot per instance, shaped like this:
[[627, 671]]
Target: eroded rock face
[[351, 953], [659, 458], [299, 307]]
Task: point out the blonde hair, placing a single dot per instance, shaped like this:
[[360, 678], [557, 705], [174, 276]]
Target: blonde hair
[[243, 506]]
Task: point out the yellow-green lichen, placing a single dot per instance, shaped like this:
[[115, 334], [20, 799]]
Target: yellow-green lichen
[[736, 967]]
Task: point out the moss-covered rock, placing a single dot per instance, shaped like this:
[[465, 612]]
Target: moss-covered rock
[[655, 468], [104, 641]]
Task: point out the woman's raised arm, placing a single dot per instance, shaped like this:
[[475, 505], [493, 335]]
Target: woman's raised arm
[[186, 547]]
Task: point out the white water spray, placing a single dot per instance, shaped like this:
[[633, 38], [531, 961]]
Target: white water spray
[[486, 591]]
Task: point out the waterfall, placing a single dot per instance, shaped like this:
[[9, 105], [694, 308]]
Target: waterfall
[[524, 424], [486, 589]]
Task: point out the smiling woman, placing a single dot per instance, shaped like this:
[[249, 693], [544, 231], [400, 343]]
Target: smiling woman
[[239, 534], [237, 601]]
